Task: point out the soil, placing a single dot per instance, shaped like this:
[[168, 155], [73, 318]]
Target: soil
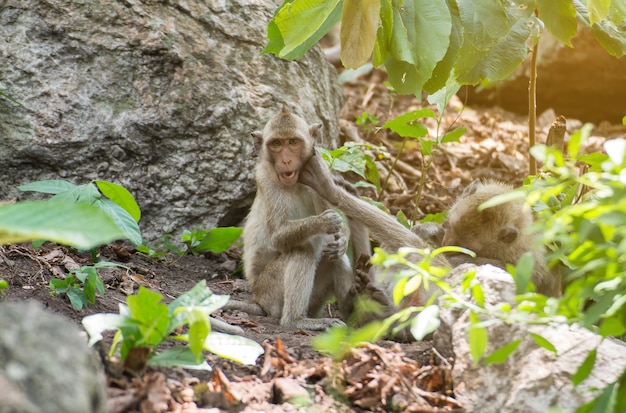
[[494, 146]]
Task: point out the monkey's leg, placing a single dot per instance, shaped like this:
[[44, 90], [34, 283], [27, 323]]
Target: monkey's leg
[[267, 288], [299, 281], [333, 277]]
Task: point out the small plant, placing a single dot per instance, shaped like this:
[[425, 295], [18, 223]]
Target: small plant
[[352, 158], [4, 285], [409, 128], [82, 284], [145, 322], [161, 248], [113, 200], [367, 121], [215, 239]]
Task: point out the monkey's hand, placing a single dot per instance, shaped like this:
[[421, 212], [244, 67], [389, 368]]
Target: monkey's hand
[[336, 248], [331, 222], [316, 174]]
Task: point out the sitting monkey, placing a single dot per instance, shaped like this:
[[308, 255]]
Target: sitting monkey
[[294, 252]]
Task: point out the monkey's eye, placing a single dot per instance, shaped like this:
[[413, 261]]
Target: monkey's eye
[[294, 141], [276, 143]]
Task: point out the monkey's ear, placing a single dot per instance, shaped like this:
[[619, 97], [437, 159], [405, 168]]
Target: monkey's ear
[[471, 188], [284, 109], [258, 141], [508, 234], [315, 131]]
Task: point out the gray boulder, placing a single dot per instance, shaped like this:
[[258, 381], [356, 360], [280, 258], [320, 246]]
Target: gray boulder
[[45, 365], [532, 379], [159, 97]]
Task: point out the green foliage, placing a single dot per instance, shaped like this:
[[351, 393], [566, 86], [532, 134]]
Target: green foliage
[[351, 158], [424, 43], [4, 285], [112, 199], [88, 227], [408, 127], [82, 284], [215, 240], [194, 242], [146, 322]]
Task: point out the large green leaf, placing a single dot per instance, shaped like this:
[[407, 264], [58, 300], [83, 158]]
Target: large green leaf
[[610, 33], [441, 74], [383, 34], [495, 37], [359, 23], [300, 24], [598, 10], [178, 357], [559, 16], [120, 196], [53, 186], [124, 221], [420, 39], [220, 239], [79, 225]]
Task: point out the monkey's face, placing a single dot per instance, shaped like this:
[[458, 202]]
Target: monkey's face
[[287, 158]]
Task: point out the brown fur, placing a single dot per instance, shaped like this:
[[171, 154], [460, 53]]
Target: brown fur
[[498, 233]]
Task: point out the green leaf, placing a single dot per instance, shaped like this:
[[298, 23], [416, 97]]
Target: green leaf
[[477, 337], [301, 24], [406, 125], [559, 16], [425, 322], [420, 39], [359, 23], [54, 186], [199, 329], [96, 324], [35, 220], [610, 35], [121, 197], [383, 34], [478, 295], [235, 348], [612, 327], [442, 73], [502, 199], [495, 38], [502, 354], [199, 297], [219, 239], [585, 368], [77, 297], [542, 342], [598, 10], [151, 315], [87, 194], [125, 222], [454, 135], [178, 357], [524, 272]]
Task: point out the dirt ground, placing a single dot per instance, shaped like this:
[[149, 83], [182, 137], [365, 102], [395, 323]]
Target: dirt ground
[[373, 378]]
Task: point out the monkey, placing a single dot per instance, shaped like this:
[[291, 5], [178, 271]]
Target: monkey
[[498, 234], [295, 244]]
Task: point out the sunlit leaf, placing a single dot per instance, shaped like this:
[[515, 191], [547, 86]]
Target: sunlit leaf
[[542, 342], [559, 16], [123, 219], [120, 196], [240, 349], [53, 186], [359, 23], [219, 239], [178, 357], [425, 322]]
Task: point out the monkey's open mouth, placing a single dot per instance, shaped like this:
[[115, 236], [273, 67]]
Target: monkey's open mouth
[[288, 178]]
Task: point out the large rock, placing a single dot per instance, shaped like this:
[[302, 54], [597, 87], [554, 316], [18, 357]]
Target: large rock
[[583, 82], [45, 365], [532, 379], [159, 96]]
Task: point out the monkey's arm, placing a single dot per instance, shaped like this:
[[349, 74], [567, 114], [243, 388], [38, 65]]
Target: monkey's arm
[[286, 235], [382, 226]]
